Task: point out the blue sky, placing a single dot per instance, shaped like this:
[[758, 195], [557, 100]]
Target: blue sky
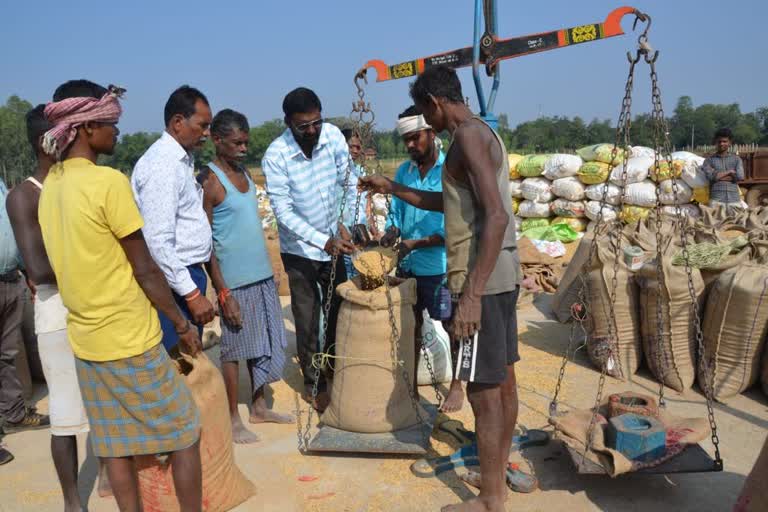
[[247, 54]]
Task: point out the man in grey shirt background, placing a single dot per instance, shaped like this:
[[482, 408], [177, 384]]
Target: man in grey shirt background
[[724, 170], [171, 201]]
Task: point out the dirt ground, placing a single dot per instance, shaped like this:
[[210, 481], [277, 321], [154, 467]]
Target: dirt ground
[[377, 483]]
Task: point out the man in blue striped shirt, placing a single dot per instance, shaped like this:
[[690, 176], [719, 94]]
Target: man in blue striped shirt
[[724, 171], [306, 173]]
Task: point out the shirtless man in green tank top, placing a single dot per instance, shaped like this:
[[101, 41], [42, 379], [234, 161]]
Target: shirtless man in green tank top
[[483, 269]]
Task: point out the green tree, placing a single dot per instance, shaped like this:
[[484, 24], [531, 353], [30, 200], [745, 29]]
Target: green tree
[[129, 150], [16, 157]]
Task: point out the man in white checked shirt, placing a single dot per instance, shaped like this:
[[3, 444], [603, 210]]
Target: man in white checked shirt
[[305, 170]]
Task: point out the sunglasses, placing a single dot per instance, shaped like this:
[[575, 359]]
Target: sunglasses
[[303, 127]]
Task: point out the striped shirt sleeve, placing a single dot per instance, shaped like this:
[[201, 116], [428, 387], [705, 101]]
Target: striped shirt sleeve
[[282, 203]]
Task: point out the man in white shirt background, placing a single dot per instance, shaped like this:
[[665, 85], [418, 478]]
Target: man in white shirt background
[[170, 200]]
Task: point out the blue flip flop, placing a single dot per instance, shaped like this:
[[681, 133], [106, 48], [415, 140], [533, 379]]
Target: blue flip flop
[[427, 468]]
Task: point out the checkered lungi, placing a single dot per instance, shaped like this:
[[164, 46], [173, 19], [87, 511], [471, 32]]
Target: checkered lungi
[[137, 406], [261, 341]]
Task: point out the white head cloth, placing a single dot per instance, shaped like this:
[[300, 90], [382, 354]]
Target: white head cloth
[[412, 124]]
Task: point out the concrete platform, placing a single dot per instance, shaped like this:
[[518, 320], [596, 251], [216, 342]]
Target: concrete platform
[[357, 483]]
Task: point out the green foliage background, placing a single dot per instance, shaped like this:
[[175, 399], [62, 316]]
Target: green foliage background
[[546, 134]]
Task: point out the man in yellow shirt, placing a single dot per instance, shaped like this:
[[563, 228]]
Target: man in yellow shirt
[[135, 400]]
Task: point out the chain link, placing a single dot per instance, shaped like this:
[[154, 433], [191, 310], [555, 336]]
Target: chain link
[[580, 311], [363, 128], [661, 136]]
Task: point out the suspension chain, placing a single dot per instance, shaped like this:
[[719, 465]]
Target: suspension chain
[[666, 145]]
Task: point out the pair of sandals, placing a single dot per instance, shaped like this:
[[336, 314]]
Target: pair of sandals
[[467, 455]]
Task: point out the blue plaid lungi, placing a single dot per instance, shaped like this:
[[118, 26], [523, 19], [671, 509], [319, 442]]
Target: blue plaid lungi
[[138, 405], [261, 341]]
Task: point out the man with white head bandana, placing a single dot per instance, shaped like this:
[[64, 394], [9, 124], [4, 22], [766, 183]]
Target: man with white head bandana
[[421, 232]]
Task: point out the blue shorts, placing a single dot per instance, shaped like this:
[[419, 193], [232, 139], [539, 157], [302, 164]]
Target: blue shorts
[[432, 295], [170, 338]]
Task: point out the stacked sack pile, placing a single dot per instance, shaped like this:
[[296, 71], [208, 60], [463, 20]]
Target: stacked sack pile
[[546, 192], [550, 189], [729, 277], [642, 177]]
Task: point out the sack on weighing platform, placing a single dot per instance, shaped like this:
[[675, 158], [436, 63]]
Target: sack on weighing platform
[[537, 189], [592, 173], [562, 166], [368, 393], [565, 208], [637, 170], [515, 188], [592, 211], [514, 159], [516, 204], [612, 196], [569, 188], [601, 153], [531, 165], [667, 192], [533, 209], [689, 210]]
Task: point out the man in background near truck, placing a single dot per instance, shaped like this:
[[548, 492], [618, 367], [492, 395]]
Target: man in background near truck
[[171, 203], [65, 404], [725, 170]]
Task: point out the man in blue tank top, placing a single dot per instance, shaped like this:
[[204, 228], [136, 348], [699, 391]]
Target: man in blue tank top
[[252, 326]]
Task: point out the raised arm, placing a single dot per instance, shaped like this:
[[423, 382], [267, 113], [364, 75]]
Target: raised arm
[[424, 200]]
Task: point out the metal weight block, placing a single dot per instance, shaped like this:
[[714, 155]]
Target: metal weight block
[[639, 438], [630, 402]]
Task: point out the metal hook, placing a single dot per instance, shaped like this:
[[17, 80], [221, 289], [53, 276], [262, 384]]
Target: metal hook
[[361, 74], [645, 18]]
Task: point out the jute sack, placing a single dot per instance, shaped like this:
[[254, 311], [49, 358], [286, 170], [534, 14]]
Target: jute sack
[[224, 486], [678, 344], [601, 348], [735, 324], [573, 429], [368, 392], [754, 494], [570, 285]]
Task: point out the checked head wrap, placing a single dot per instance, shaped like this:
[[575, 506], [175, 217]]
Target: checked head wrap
[[68, 114]]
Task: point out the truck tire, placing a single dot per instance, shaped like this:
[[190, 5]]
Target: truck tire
[[757, 196]]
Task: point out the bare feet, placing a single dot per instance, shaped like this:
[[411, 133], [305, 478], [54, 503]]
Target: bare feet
[[455, 399], [476, 505], [240, 434], [104, 488], [261, 414]]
